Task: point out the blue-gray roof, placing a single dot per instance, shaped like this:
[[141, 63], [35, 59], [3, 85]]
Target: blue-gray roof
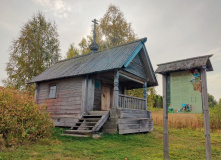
[[104, 60]]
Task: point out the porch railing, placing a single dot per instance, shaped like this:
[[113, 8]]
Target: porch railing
[[130, 102]]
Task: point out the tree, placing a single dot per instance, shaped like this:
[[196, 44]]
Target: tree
[[36, 48], [72, 51], [114, 27], [211, 100]]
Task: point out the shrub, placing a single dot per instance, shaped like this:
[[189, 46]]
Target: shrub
[[215, 117], [21, 119]]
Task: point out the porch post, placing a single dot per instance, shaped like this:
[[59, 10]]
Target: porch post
[[116, 89], [145, 95]]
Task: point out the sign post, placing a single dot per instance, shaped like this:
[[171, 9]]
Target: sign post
[[185, 91], [206, 113]]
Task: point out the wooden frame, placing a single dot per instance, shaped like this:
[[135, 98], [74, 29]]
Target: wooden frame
[[205, 114], [49, 89]]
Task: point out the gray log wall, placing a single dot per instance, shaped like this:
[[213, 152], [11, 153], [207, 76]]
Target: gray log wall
[[66, 107]]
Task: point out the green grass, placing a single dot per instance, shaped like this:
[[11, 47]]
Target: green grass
[[183, 143]]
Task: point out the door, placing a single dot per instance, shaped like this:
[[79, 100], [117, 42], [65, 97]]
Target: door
[[105, 98]]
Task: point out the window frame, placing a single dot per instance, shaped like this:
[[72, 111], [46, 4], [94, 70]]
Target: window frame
[[49, 89]]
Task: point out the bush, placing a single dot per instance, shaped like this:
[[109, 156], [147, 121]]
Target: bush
[[215, 117], [21, 119]]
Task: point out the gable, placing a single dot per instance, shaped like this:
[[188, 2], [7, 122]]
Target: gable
[[141, 66], [136, 67]]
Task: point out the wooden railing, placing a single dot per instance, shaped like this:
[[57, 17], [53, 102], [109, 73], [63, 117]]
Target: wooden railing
[[130, 102]]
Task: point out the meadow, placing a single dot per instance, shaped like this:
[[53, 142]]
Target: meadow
[[184, 144]]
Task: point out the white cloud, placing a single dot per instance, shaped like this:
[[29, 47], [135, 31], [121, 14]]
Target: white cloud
[[43, 2], [58, 7]]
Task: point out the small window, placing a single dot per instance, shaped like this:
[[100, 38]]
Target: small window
[[52, 91]]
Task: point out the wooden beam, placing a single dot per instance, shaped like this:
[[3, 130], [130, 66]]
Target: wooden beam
[[116, 96], [205, 113], [145, 95], [130, 77], [90, 96], [165, 120], [84, 96]]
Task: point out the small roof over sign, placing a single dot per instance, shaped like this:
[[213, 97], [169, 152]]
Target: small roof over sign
[[185, 64]]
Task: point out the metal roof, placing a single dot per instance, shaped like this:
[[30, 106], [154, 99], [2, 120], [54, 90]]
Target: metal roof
[[185, 64], [104, 60]]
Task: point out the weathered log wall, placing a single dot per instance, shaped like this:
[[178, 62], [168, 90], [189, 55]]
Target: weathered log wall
[[66, 107]]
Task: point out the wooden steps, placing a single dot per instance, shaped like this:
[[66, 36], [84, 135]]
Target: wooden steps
[[88, 124]]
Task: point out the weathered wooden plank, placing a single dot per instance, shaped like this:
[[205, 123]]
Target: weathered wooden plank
[[128, 115], [113, 113], [206, 113], [84, 98], [141, 130], [90, 98], [137, 111], [101, 121], [137, 126], [133, 121], [165, 120]]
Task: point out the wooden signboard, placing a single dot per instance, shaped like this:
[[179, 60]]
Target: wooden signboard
[[184, 92], [167, 101]]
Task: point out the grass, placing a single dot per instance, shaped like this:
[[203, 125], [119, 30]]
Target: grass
[[183, 143]]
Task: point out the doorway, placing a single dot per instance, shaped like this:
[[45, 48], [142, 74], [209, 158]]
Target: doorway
[[105, 98]]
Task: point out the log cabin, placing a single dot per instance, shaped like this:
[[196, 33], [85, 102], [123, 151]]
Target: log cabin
[[88, 92]]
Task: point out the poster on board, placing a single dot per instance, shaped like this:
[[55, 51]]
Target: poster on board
[[184, 92]]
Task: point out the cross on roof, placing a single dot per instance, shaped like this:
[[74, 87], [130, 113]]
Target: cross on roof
[[94, 47]]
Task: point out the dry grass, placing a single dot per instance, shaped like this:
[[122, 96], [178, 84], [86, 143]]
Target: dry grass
[[180, 120]]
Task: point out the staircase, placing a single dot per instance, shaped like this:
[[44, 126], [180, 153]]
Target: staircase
[[88, 124]]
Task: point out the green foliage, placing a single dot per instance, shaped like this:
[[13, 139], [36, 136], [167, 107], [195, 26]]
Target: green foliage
[[211, 100], [72, 51], [220, 101], [114, 27], [21, 119], [215, 117], [153, 100], [36, 48]]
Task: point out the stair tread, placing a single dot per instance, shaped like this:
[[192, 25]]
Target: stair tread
[[75, 135], [85, 122], [92, 116], [89, 119], [77, 131], [86, 126]]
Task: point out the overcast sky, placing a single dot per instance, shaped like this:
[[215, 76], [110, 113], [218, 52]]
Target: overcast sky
[[174, 29]]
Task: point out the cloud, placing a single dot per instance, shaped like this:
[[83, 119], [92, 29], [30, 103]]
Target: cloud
[[58, 7]]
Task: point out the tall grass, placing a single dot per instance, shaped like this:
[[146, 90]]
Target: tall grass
[[179, 120], [189, 120]]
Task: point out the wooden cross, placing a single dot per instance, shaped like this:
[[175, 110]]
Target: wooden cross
[[95, 22]]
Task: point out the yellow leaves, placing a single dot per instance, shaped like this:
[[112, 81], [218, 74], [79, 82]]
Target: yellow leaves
[[21, 119]]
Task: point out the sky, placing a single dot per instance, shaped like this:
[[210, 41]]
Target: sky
[[175, 29]]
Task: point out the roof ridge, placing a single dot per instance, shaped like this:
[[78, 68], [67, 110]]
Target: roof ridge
[[141, 39], [186, 59]]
